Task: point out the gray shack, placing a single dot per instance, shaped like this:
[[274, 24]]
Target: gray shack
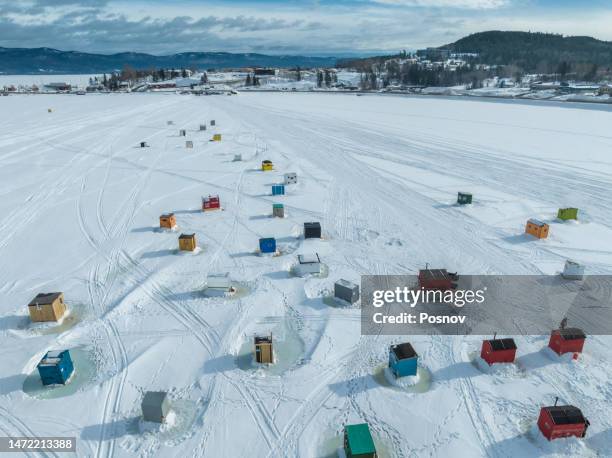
[[155, 406], [346, 291]]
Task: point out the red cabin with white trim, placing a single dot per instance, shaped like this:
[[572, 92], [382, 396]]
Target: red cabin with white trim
[[211, 203]]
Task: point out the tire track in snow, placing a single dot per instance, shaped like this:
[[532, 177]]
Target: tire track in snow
[[13, 423]]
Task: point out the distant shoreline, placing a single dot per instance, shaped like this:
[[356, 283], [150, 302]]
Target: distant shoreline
[[582, 104]]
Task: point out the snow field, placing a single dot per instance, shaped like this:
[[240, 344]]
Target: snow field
[[80, 204]]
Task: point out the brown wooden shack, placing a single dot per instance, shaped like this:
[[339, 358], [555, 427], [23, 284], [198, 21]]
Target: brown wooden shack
[[47, 307], [167, 220], [263, 349], [187, 242]]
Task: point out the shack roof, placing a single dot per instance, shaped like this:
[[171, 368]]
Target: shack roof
[[404, 351], [435, 274], [44, 299], [263, 339], [154, 398], [502, 344], [310, 258], [565, 415], [359, 439], [167, 215], [186, 236], [219, 280], [52, 358], [346, 284], [537, 222], [572, 334]]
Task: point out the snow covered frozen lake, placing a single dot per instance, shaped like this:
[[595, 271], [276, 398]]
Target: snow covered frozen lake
[[80, 205]]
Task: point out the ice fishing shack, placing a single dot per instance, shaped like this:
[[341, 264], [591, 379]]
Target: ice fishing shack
[[267, 245], [566, 214], [167, 221], [155, 406], [498, 350], [403, 360], [312, 230], [309, 263], [567, 340], [358, 442], [211, 203], [278, 210], [346, 291], [187, 242], [56, 367], [264, 352], [537, 228], [562, 421], [278, 189], [464, 198], [47, 307]]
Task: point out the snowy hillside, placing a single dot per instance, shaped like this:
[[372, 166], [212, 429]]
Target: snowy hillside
[[80, 204]]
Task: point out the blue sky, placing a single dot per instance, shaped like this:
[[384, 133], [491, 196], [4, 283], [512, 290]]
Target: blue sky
[[309, 27]]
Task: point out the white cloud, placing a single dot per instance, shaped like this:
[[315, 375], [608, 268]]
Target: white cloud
[[461, 4], [289, 28]]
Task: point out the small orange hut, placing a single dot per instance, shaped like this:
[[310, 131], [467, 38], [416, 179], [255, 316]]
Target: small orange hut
[[167, 221], [537, 228]]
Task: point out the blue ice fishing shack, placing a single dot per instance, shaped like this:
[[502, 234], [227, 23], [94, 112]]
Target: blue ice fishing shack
[[278, 189], [267, 245], [403, 360], [56, 367]]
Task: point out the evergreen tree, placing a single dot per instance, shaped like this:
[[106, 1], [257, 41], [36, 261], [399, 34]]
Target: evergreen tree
[[249, 81], [563, 69], [373, 81], [319, 78], [298, 74], [328, 78]]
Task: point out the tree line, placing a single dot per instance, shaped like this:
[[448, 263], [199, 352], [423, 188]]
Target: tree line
[[112, 81], [381, 75]]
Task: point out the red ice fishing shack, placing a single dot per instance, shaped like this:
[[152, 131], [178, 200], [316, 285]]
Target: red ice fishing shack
[[498, 350], [211, 203], [567, 340], [556, 422], [439, 279]]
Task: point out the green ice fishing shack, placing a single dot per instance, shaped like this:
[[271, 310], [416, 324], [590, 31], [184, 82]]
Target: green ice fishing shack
[[567, 213], [358, 442], [464, 198]]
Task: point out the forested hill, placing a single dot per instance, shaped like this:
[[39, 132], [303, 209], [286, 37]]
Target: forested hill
[[534, 51], [47, 60], [530, 51]]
